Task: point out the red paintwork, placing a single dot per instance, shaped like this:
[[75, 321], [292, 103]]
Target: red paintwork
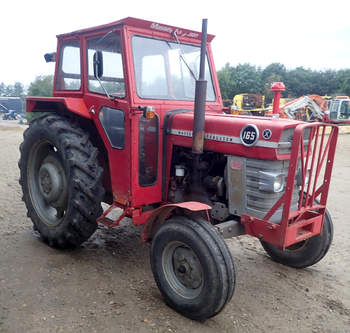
[[123, 163], [109, 222], [159, 215], [230, 125], [277, 88], [141, 24], [307, 221], [75, 105]]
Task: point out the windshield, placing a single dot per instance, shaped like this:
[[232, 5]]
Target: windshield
[[162, 74]]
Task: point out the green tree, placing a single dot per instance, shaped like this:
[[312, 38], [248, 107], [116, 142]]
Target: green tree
[[227, 85], [18, 90], [41, 86], [345, 87], [276, 69], [343, 81], [300, 81], [247, 79], [2, 89], [244, 78], [8, 91]]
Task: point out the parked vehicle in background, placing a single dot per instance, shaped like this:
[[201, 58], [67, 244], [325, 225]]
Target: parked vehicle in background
[[10, 103], [338, 110], [312, 108], [11, 115], [3, 108], [249, 104]]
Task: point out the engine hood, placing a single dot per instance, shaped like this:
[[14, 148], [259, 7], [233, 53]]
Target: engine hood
[[225, 133]]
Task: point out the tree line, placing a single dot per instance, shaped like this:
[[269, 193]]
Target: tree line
[[233, 80], [246, 78], [41, 86], [15, 90]]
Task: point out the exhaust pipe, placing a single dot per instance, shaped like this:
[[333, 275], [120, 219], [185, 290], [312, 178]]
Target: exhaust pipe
[[199, 109], [200, 97]]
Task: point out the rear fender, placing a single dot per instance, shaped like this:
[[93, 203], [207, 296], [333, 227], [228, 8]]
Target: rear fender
[[76, 108], [58, 104], [159, 216]]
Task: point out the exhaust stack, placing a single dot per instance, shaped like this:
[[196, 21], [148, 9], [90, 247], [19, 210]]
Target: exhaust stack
[[200, 98]]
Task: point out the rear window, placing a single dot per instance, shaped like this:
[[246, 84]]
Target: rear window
[[69, 68]]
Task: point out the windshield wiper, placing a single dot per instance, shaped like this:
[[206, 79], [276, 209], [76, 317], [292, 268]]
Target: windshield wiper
[[181, 54]]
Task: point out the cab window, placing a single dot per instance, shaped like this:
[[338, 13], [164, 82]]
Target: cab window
[[113, 122], [168, 70], [69, 68], [113, 74]]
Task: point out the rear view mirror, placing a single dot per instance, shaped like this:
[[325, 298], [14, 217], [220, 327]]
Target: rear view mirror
[[98, 64], [50, 57]]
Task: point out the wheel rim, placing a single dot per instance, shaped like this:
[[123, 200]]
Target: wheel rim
[[182, 269], [47, 183]]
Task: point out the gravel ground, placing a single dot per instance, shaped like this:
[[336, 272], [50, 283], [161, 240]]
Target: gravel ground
[[107, 285]]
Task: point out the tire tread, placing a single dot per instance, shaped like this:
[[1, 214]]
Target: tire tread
[[85, 188]]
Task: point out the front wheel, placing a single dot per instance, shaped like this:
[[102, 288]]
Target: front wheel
[[307, 252], [192, 267]]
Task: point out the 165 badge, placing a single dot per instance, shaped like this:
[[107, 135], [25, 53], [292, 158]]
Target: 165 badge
[[249, 135]]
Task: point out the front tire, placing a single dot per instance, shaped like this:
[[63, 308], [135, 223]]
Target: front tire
[[305, 253], [61, 180], [192, 267]]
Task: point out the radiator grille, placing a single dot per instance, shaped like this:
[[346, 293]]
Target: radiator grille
[[244, 193], [259, 202]]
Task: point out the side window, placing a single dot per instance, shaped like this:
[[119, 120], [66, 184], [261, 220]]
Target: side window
[[334, 110], [69, 69], [113, 123], [148, 150], [113, 74], [344, 110]]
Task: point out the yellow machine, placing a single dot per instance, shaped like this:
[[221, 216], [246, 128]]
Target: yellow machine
[[253, 104]]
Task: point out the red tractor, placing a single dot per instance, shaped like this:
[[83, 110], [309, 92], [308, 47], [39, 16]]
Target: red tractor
[[137, 122]]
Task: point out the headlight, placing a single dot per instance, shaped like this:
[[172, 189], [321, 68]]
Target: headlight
[[271, 181]]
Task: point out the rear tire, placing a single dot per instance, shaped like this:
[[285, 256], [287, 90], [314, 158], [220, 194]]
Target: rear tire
[[61, 180], [306, 253], [192, 267]]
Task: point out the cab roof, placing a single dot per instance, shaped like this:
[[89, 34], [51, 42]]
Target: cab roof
[[153, 27]]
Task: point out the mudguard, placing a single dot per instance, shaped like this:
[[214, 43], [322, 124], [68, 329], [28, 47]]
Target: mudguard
[[47, 104], [159, 215]]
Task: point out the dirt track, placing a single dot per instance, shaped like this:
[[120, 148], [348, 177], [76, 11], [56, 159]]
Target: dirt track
[[107, 285]]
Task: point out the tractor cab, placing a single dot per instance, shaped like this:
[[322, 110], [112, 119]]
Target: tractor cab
[[339, 110], [121, 69]]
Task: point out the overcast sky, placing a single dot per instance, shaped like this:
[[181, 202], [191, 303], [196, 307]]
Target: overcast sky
[[309, 33]]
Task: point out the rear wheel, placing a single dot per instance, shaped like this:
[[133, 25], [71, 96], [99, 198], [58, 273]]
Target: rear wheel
[[61, 180], [193, 267], [305, 253]]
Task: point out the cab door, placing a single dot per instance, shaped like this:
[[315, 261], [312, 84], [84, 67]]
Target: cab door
[[107, 101]]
